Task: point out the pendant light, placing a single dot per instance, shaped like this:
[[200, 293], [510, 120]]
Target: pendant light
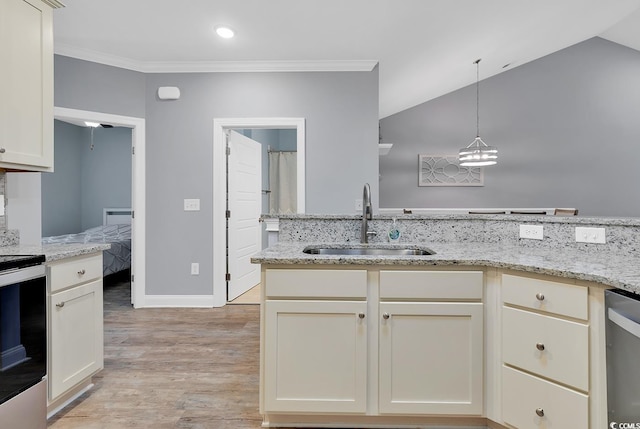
[[478, 153]]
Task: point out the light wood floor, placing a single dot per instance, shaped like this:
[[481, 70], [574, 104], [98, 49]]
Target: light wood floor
[[252, 296], [172, 368]]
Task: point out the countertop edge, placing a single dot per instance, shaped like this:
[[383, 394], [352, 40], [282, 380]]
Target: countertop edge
[[617, 272]]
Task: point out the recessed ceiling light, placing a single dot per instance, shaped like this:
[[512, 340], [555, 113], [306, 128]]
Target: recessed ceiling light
[[92, 124], [225, 32]]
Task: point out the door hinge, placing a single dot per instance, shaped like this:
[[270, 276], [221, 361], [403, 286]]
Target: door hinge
[[228, 214], [228, 277], [133, 214], [228, 150], [132, 278], [133, 150]]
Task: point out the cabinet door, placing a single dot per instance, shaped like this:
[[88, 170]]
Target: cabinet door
[[431, 358], [315, 356], [76, 340], [26, 85]]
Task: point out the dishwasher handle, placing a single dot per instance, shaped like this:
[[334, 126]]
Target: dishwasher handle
[[625, 323]]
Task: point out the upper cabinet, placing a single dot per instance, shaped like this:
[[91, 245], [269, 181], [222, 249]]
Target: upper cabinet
[[26, 84]]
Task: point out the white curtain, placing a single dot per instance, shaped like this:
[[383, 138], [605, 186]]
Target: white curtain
[[282, 182]]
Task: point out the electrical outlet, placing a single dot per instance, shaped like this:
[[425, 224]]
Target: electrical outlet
[[359, 205], [590, 235], [191, 205], [195, 268], [534, 232]]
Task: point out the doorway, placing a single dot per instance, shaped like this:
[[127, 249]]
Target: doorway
[[137, 126], [220, 169]]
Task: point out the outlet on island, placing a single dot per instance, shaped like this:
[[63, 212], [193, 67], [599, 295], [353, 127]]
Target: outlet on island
[[590, 235], [534, 232]]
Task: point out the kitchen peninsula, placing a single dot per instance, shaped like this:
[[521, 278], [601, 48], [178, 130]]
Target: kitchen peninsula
[[490, 330]]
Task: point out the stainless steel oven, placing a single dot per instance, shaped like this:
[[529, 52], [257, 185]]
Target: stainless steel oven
[[623, 358], [23, 342]]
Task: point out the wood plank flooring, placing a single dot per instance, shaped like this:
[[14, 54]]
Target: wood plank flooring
[[172, 368]]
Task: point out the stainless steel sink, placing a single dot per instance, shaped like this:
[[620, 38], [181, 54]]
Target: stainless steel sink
[[368, 251]]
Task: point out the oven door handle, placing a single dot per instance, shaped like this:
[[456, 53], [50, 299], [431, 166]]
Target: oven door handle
[[625, 323]]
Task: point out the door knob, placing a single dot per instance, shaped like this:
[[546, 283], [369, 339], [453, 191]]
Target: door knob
[[385, 316]]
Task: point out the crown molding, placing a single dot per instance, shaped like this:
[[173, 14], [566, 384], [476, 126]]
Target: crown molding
[[214, 66]]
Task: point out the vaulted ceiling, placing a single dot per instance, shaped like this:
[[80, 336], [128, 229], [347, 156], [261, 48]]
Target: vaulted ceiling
[[424, 48]]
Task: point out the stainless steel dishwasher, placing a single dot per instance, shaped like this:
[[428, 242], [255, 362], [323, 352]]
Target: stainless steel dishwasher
[[623, 358]]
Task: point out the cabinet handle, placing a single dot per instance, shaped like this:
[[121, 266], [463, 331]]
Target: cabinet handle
[[540, 346], [540, 412], [540, 297], [385, 316], [60, 304], [361, 315], [2, 150], [81, 272]]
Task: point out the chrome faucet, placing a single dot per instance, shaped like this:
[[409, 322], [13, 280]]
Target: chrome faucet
[[367, 214]]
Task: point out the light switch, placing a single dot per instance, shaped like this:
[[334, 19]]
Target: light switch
[[191, 204]]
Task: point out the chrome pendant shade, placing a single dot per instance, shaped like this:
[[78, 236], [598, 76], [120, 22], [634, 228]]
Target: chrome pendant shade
[[478, 153]]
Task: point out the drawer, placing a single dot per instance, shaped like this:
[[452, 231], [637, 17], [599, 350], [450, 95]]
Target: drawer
[[552, 297], [431, 284], [565, 346], [524, 397], [316, 283], [74, 271]]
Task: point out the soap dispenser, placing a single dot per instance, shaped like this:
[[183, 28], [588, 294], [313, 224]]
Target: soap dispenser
[[394, 232]]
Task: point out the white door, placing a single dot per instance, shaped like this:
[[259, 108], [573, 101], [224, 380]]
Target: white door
[[245, 205]]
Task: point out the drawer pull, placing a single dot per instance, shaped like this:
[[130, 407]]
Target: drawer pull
[[81, 272], [361, 315], [385, 316], [539, 296], [2, 150], [540, 346], [60, 304], [540, 412]]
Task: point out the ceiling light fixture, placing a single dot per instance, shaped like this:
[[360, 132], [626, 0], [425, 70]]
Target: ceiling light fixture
[[224, 32], [92, 124], [478, 153]]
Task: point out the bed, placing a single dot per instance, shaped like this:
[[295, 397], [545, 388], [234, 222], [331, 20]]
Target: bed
[[115, 230]]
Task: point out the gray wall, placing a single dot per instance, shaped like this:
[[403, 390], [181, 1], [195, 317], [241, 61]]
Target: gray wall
[[341, 126], [106, 173], [341, 112], [61, 190], [84, 85], [580, 105], [85, 181]]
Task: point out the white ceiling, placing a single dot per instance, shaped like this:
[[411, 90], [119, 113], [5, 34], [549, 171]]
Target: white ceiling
[[425, 48]]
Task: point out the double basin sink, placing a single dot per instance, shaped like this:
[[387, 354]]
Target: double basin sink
[[368, 250]]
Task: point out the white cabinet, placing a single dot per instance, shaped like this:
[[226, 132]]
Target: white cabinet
[[374, 343], [545, 352], [75, 329], [315, 351], [26, 85], [316, 356], [431, 353]]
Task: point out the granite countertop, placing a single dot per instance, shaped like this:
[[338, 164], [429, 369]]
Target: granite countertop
[[620, 270], [55, 252]]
